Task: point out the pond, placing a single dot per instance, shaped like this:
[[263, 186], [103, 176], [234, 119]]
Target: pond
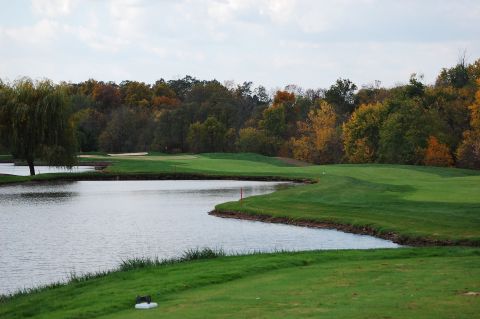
[[21, 170], [50, 230]]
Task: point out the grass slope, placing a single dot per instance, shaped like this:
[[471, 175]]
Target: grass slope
[[430, 203], [400, 283]]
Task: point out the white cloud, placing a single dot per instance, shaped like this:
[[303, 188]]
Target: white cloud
[[274, 42], [280, 11], [128, 18], [97, 40], [41, 33], [53, 8], [226, 11]]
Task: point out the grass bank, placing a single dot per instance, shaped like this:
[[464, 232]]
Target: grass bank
[[395, 283]]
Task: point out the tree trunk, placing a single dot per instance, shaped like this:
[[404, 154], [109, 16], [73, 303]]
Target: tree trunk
[[31, 166]]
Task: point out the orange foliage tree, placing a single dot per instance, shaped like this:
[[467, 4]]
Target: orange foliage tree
[[283, 97], [437, 154], [468, 152], [319, 139]]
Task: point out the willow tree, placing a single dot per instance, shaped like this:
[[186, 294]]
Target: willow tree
[[35, 123]]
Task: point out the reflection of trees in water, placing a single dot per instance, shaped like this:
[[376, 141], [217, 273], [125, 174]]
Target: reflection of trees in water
[[41, 197], [48, 195]]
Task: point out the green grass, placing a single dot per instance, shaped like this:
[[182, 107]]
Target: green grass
[[430, 203], [395, 283], [415, 202]]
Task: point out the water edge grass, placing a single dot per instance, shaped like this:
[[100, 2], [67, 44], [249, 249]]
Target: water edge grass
[[125, 265]]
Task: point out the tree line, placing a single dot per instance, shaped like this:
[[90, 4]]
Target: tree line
[[412, 123]]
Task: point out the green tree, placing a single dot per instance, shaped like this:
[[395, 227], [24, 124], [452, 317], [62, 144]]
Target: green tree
[[404, 133], [456, 76], [128, 130], [253, 140], [208, 136], [36, 123], [341, 96], [274, 121], [89, 124]]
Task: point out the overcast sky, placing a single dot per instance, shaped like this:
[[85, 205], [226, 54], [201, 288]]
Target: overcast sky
[[310, 43]]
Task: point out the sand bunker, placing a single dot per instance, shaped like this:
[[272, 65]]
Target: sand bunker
[[129, 154]]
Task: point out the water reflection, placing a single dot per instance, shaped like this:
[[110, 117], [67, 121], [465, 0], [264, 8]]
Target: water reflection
[[48, 230], [11, 169]]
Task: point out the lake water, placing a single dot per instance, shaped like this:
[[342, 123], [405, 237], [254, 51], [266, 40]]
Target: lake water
[[49, 230], [9, 168]]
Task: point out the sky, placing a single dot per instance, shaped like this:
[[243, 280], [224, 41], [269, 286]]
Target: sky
[[309, 43]]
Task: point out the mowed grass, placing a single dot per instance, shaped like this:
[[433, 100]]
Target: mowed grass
[[411, 201], [395, 283], [209, 164], [416, 202], [428, 203]]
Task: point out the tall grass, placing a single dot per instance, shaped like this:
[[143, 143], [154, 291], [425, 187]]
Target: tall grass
[[188, 255], [125, 265]]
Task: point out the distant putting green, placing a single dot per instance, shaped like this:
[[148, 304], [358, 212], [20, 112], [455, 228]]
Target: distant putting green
[[435, 204]]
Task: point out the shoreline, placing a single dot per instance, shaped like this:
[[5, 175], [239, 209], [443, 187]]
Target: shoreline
[[359, 230], [107, 176]]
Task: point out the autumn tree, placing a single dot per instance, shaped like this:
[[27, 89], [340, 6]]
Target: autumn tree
[[319, 139], [437, 154], [135, 93], [164, 96], [106, 95], [468, 153], [361, 133], [36, 123]]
